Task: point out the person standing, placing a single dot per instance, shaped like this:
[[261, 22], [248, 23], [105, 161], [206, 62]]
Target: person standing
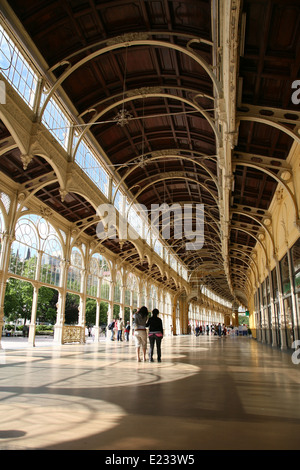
[[156, 333], [140, 333], [126, 331], [120, 329], [111, 327]]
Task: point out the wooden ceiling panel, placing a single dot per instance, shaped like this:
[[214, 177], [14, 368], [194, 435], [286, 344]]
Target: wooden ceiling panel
[[192, 16], [89, 25], [253, 188], [284, 29], [12, 165], [270, 63], [140, 61], [263, 139], [114, 16], [271, 50]]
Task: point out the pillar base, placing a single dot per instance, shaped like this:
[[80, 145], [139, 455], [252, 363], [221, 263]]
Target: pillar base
[[58, 334], [97, 333], [31, 335]]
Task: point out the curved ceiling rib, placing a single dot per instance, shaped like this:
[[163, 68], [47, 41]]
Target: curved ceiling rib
[[146, 94], [127, 42], [186, 80]]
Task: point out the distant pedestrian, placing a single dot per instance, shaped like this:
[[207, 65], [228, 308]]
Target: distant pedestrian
[[126, 331], [120, 329], [111, 327]]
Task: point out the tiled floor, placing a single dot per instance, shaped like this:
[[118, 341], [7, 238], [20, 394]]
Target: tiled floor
[[207, 393]]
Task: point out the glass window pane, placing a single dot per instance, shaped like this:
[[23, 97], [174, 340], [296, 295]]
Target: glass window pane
[[275, 284], [50, 265], [56, 121], [285, 277], [296, 264], [92, 167], [17, 69], [74, 272]]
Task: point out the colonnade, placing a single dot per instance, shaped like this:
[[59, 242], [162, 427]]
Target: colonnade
[[45, 245], [35, 249], [205, 315]]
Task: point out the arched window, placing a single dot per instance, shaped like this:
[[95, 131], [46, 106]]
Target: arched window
[[134, 292], [24, 250], [131, 286], [74, 272], [168, 304], [143, 295], [94, 274], [34, 233], [52, 255], [128, 288], [118, 284], [2, 228], [106, 279], [153, 298], [1, 223]]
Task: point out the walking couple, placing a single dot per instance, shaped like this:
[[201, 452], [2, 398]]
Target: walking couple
[[140, 323]]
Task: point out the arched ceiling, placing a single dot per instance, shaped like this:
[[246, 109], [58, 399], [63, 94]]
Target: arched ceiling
[[149, 58]]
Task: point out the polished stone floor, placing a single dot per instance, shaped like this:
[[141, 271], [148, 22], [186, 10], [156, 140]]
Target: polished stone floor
[[207, 393]]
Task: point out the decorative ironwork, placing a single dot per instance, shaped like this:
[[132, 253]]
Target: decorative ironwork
[[123, 117], [128, 37], [73, 334], [141, 161]]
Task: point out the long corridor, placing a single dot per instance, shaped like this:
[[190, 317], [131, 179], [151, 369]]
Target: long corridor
[[207, 393]]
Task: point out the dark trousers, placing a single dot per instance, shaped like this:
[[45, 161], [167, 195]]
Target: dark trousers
[[152, 340]]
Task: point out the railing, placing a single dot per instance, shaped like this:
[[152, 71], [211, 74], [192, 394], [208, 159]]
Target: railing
[[73, 334]]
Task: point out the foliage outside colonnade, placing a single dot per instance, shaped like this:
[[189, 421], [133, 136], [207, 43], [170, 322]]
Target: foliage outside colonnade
[[18, 304]]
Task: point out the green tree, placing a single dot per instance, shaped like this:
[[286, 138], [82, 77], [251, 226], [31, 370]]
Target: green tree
[[103, 313], [46, 306], [90, 312], [18, 301], [126, 314], [116, 311], [243, 320], [71, 309]]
